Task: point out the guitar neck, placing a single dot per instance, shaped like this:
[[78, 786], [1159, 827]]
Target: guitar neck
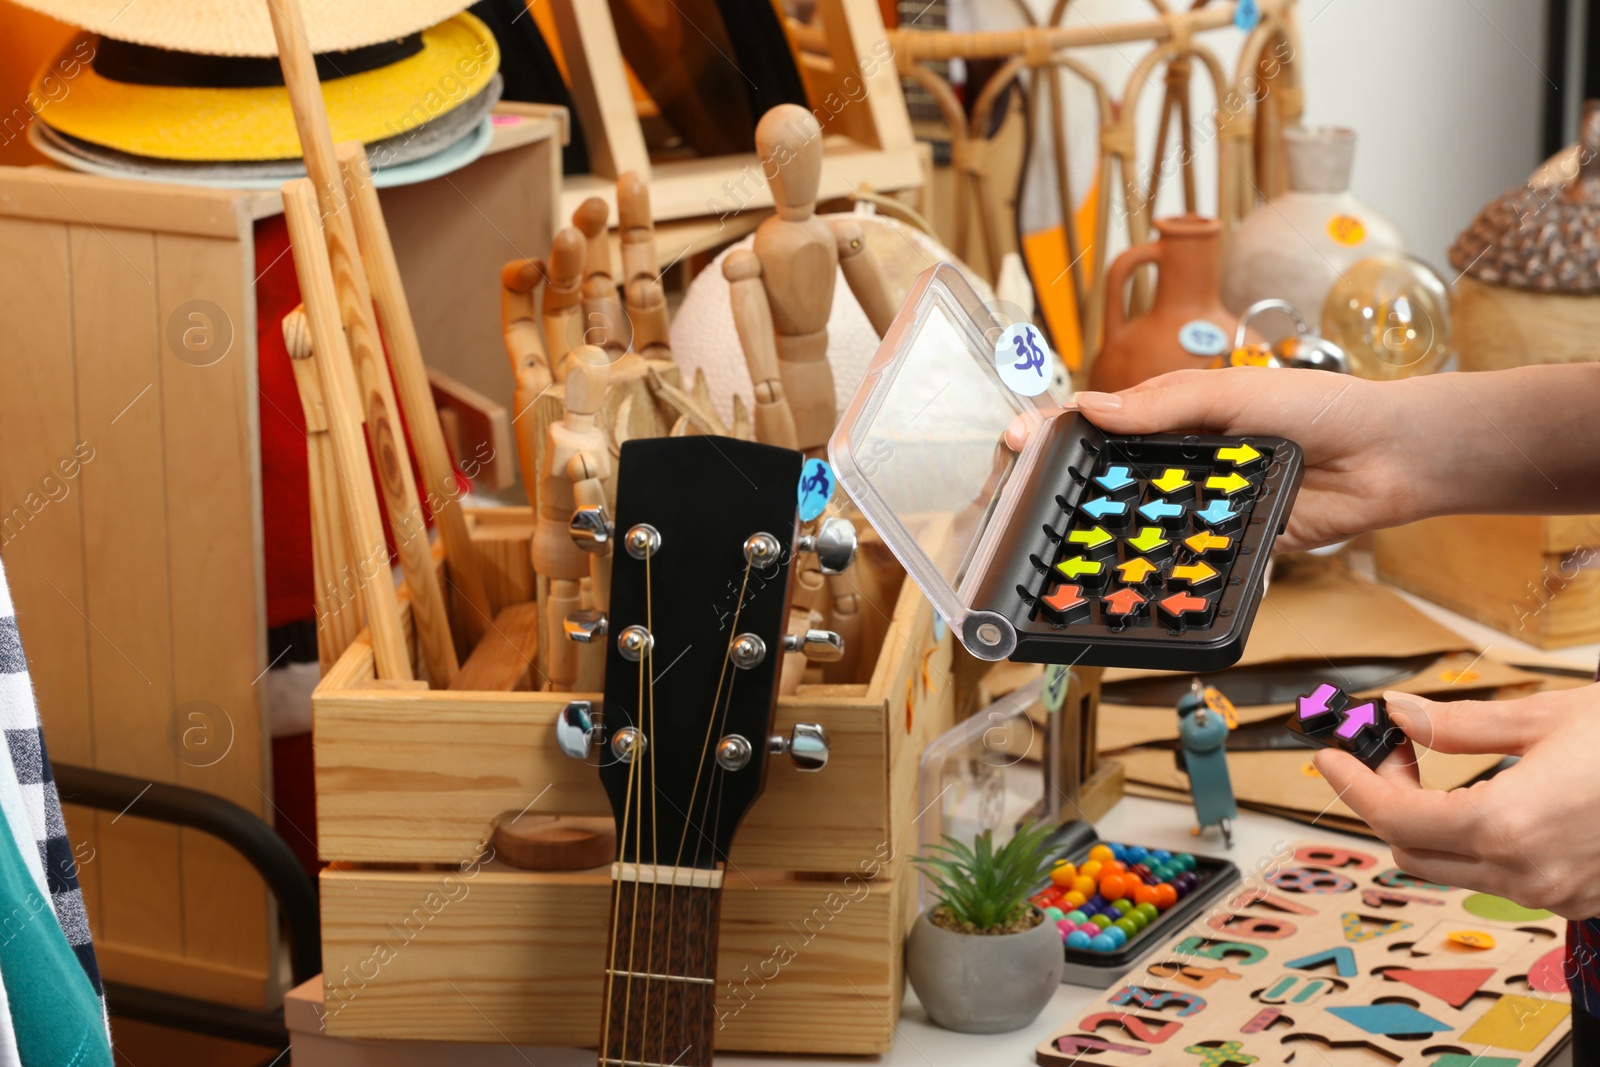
[[661, 995]]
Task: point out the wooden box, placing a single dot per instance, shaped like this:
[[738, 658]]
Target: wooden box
[[1532, 577], [409, 782], [130, 506]]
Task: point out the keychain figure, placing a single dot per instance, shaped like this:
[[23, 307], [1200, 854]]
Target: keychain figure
[[1204, 718]]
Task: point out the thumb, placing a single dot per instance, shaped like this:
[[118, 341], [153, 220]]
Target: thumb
[[1503, 727], [1203, 400]]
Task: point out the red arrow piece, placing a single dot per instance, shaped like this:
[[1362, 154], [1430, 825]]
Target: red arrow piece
[[1124, 601], [1356, 719], [1179, 603], [1065, 598]]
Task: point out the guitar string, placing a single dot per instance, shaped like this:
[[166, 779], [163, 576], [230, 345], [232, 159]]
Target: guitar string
[[616, 912], [638, 832], [705, 748], [655, 856]]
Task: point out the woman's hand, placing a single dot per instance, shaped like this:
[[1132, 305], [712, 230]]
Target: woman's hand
[[1528, 833], [1355, 470]]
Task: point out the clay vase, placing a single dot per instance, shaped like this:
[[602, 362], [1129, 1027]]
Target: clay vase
[[1186, 326], [1297, 246]]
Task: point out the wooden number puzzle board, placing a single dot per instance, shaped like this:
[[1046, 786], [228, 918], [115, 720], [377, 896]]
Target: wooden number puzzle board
[[1328, 956]]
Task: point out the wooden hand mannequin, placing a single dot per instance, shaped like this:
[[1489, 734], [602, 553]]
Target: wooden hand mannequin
[[530, 367], [782, 289], [604, 322], [563, 300], [576, 463], [647, 300]]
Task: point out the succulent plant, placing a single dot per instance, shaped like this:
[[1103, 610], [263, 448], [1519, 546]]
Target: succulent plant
[[985, 888]]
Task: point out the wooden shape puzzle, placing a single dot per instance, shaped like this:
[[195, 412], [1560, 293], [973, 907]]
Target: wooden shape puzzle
[[1257, 983]]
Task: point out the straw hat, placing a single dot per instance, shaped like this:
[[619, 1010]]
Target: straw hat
[[179, 114], [243, 27]]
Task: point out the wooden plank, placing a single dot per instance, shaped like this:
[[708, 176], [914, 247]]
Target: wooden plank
[[600, 90], [482, 443], [180, 975], [213, 520], [116, 335], [50, 194], [503, 536], [503, 660], [866, 101], [456, 955]]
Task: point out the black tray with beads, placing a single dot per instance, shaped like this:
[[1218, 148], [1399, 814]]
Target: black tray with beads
[[1099, 970], [1194, 598]]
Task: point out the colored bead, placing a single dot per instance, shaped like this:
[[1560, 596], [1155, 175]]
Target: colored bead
[[1078, 939], [1144, 894], [1113, 866], [1091, 929], [1160, 855], [1054, 914], [1148, 909], [1113, 886], [1136, 854], [1122, 907], [1103, 943], [1066, 926], [1101, 853], [1166, 896], [1187, 859], [1118, 935], [1076, 918], [1074, 898], [1099, 900], [1063, 874], [1119, 852], [1089, 869], [1083, 884], [1102, 921], [1138, 918]]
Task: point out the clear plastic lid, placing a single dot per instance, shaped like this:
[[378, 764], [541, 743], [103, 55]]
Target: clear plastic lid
[[922, 446]]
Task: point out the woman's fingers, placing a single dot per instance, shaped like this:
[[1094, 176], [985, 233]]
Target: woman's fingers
[[1501, 727], [1404, 816]]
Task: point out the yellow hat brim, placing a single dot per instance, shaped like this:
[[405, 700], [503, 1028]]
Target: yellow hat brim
[[459, 57]]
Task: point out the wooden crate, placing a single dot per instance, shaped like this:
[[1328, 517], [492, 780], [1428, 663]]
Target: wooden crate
[[409, 782], [1535, 578], [130, 510]]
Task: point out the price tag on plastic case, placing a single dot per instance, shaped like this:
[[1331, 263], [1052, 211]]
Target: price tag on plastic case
[[1246, 14], [1023, 359], [1201, 338], [816, 489], [1054, 693]]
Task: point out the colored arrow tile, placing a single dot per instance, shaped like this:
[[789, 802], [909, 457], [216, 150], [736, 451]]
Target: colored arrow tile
[[1228, 483], [1388, 1019], [1078, 566], [1093, 538], [1181, 604], [1217, 513], [1205, 541], [1171, 480], [1149, 539], [1065, 598], [1239, 455], [1321, 701], [1455, 986], [1161, 510], [1358, 718], [1115, 478], [1343, 959], [1124, 602], [1103, 507], [1136, 570], [1196, 574]]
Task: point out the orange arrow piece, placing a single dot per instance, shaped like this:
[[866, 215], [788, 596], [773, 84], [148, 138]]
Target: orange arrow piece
[[1182, 603], [1194, 573], [1207, 542], [1065, 598], [1172, 479], [1136, 570], [1124, 601]]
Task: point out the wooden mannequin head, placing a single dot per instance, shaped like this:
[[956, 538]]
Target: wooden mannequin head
[[588, 374], [789, 145]]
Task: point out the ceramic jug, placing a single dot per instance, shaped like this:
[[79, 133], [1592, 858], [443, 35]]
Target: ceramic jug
[[1186, 326], [1295, 247]]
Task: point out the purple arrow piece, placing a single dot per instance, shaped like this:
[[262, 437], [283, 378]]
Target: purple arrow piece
[[1317, 703], [1355, 718]]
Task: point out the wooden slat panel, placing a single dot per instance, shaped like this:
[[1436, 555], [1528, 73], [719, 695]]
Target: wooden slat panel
[[212, 511], [115, 332], [46, 193]]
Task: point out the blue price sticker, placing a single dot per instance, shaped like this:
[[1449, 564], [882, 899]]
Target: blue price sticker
[[1199, 337], [1023, 359], [816, 489], [1054, 693], [1246, 14]]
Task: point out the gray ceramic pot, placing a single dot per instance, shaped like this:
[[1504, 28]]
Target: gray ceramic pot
[[981, 984]]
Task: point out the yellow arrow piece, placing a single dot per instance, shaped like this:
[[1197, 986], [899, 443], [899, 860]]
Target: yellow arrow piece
[[1089, 538], [1195, 573], [1136, 570], [1239, 454], [1077, 566], [1150, 538], [1205, 542], [1228, 483], [1172, 479]]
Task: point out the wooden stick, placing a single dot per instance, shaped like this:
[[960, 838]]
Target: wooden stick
[[416, 395], [328, 351], [372, 370]]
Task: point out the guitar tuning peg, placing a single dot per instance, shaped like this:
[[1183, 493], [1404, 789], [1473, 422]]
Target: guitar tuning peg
[[576, 726], [806, 745], [819, 646], [834, 544], [591, 528], [585, 627]]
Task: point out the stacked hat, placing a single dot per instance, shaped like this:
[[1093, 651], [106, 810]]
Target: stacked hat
[[191, 90]]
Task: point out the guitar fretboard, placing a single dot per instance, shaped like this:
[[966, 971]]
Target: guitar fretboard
[[661, 984]]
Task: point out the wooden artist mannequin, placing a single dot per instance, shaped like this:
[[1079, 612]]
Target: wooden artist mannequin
[[576, 464], [647, 299], [604, 323], [530, 366], [563, 300], [781, 293]]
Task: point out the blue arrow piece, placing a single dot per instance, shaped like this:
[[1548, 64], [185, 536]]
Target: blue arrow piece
[[1157, 510], [1217, 512], [1115, 478], [1099, 509]]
